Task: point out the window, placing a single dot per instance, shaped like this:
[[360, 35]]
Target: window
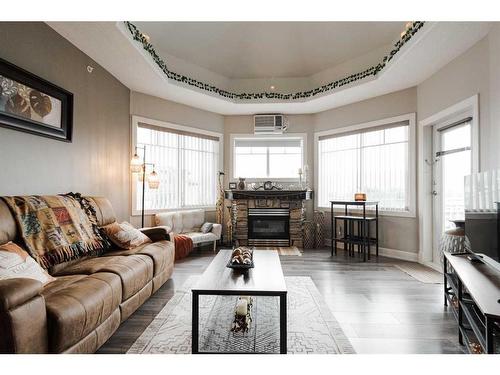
[[186, 161], [257, 157], [373, 160]]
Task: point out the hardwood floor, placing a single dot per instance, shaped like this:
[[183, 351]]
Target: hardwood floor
[[380, 308]]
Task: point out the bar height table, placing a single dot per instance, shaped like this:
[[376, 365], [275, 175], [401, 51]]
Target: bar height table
[[363, 238]]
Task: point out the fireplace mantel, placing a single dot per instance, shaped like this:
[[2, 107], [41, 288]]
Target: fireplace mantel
[[269, 194]]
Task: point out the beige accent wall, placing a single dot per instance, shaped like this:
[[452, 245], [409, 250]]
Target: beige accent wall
[[180, 114], [96, 162], [477, 71], [396, 233]]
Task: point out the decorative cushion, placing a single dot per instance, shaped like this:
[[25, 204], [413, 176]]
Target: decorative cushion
[[192, 220], [15, 262], [207, 227], [125, 236]]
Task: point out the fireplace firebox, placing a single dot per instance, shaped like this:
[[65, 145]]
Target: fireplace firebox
[[269, 227]]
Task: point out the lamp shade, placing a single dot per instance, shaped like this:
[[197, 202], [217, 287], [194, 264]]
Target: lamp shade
[[136, 164], [153, 180]]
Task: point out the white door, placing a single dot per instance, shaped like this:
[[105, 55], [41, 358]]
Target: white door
[[452, 162]]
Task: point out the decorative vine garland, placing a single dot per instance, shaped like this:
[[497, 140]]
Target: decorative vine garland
[[372, 71]]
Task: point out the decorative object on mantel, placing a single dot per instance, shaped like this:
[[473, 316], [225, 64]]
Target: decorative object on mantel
[[241, 184], [219, 204], [454, 240], [319, 223], [138, 166], [309, 234], [233, 185], [360, 197], [33, 105], [300, 177], [144, 40], [267, 185]]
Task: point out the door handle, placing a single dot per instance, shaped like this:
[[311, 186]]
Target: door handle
[[434, 192]]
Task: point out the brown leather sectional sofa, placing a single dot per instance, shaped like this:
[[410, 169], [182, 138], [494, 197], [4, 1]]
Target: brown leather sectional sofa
[[90, 297]]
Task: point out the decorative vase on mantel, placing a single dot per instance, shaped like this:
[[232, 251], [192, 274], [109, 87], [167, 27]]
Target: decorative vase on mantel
[[454, 240], [241, 184]]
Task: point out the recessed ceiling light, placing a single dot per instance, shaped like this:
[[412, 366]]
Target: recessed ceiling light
[[146, 36], [272, 87]]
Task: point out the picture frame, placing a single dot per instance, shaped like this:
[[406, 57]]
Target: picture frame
[[33, 105], [232, 186]]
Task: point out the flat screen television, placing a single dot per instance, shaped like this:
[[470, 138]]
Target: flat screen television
[[482, 214]]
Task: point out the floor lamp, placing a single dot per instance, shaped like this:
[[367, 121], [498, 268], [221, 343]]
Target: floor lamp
[[138, 166]]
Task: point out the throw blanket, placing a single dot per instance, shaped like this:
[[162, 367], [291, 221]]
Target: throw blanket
[[183, 246], [55, 229]]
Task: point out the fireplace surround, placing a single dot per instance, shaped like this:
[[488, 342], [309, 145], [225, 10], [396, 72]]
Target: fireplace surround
[[262, 218], [269, 226]]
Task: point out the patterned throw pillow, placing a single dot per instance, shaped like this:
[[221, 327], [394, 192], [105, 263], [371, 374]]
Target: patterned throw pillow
[[125, 236], [15, 262], [207, 227]]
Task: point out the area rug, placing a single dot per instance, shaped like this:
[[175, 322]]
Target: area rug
[[420, 272], [312, 329]]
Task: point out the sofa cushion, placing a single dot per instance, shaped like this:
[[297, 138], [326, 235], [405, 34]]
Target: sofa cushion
[[79, 307], [135, 271], [161, 253], [125, 236], [206, 227], [199, 237], [15, 263], [192, 220], [170, 220]]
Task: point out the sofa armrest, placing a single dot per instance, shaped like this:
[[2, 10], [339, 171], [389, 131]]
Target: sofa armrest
[[217, 230], [15, 292], [157, 233], [23, 317]]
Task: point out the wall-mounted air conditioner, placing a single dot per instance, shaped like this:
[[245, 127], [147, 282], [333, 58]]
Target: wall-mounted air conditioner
[[270, 124]]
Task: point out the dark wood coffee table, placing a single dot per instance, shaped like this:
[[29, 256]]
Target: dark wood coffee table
[[265, 279]]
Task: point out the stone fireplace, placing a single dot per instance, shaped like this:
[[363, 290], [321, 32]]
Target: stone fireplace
[[268, 218]]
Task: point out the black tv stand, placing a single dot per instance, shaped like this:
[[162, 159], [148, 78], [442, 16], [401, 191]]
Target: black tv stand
[[471, 290]]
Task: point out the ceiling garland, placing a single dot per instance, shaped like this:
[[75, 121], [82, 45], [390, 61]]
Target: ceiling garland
[[138, 36]]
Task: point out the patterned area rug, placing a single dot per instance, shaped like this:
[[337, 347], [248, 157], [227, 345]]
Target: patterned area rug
[[311, 326]]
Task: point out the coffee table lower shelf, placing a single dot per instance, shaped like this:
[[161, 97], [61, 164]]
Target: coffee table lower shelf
[[196, 315]]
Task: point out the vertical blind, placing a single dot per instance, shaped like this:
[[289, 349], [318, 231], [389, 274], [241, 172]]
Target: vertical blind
[[187, 165], [374, 161]]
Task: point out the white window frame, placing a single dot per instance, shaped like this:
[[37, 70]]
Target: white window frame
[[135, 124], [412, 166], [233, 137]]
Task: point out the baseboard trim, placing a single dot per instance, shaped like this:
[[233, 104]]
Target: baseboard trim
[[434, 266], [390, 253], [397, 254]]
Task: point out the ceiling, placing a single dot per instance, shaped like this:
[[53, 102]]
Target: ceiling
[[269, 49], [111, 43]]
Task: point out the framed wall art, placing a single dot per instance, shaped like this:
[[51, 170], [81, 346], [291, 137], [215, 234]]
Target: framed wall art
[[31, 104]]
